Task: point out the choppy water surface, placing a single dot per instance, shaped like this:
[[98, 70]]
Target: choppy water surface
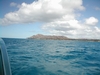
[[53, 57]]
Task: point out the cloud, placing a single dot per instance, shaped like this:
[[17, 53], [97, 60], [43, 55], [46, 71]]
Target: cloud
[[91, 21], [58, 17], [97, 8], [13, 4], [73, 29], [43, 11]]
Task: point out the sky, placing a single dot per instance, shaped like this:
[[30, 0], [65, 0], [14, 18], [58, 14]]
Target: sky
[[70, 18]]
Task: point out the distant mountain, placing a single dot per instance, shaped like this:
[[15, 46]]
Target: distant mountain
[[52, 37]]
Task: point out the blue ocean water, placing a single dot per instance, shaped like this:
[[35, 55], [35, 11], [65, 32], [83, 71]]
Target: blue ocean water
[[53, 57]]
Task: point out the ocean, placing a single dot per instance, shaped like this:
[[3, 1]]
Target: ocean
[[53, 57]]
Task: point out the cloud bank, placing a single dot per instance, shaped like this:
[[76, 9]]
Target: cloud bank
[[58, 16]]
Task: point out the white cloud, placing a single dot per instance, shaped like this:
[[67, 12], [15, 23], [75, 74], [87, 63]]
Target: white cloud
[[13, 4], [91, 21], [58, 16], [74, 28], [43, 10]]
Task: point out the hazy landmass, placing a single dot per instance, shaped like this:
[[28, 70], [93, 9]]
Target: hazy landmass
[[54, 37]]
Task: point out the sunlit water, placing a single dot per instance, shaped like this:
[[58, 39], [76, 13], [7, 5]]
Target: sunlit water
[[53, 57]]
